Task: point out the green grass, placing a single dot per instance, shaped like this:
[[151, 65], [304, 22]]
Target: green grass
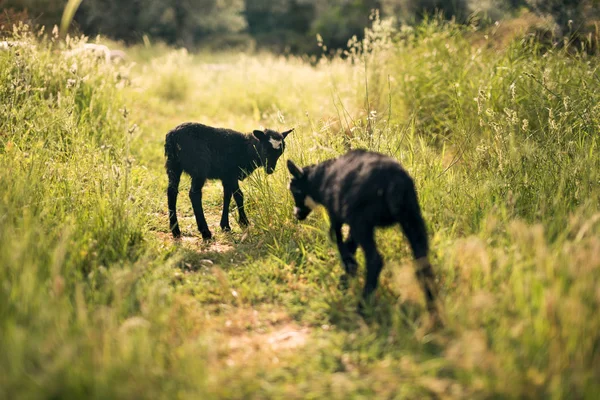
[[97, 301]]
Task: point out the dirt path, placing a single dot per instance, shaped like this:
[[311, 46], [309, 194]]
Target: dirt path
[[241, 334]]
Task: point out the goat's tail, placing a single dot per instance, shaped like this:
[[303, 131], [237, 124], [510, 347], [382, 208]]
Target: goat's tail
[[171, 152], [406, 207]]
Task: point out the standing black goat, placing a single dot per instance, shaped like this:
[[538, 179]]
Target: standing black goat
[[205, 153], [365, 190]]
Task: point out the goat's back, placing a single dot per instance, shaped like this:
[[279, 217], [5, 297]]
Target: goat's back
[[204, 151], [366, 184]]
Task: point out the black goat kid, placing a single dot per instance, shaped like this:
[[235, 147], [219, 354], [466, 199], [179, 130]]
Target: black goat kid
[[365, 190], [205, 153]]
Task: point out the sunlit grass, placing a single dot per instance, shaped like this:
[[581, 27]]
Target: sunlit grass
[[96, 300]]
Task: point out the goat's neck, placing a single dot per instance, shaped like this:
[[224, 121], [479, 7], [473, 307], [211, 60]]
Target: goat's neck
[[315, 175], [253, 151]]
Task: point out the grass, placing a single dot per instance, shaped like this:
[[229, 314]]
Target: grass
[[98, 301]]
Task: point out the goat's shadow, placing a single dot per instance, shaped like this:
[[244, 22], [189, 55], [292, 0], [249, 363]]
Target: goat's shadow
[[227, 250], [385, 315]]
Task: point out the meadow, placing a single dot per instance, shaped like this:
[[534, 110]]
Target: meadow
[[98, 301]]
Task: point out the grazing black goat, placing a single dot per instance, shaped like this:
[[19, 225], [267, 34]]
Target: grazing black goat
[[205, 153], [364, 190]]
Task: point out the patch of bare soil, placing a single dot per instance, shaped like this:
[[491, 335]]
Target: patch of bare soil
[[244, 335], [260, 336], [269, 345], [197, 241]]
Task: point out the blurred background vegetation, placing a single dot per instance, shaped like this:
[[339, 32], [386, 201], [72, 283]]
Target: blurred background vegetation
[[499, 130], [285, 26]]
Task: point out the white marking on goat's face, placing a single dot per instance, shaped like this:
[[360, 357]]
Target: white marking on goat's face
[[310, 203], [275, 143]]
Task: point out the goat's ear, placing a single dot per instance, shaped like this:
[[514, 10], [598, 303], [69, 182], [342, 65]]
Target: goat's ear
[[294, 170], [260, 135], [284, 134]]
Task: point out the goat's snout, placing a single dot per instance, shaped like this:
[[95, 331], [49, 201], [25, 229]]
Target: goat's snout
[[301, 214]]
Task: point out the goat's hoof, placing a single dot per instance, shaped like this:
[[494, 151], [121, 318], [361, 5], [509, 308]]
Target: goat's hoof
[[360, 309], [206, 235], [436, 322], [176, 233], [351, 265], [365, 306], [344, 282], [244, 222], [435, 319], [226, 228]]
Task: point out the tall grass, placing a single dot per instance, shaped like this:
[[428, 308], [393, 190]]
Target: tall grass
[[97, 301], [503, 146], [72, 229]]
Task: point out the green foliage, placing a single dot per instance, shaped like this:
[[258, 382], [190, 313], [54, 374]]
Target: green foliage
[[337, 21], [43, 12], [569, 14], [282, 26], [415, 10], [70, 216], [184, 22], [576, 23], [97, 301], [169, 85]]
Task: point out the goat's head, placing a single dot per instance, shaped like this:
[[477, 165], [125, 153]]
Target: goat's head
[[301, 190], [272, 144]]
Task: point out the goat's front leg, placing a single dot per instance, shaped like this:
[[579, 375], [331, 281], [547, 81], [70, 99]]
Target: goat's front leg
[[238, 196], [228, 189], [366, 239], [347, 250], [196, 199]]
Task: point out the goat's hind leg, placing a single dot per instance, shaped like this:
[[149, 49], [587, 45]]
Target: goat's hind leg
[[415, 230], [174, 172], [196, 199]]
